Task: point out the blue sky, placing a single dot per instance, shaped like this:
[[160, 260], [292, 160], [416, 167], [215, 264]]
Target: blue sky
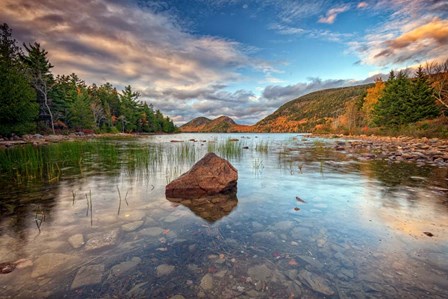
[[241, 58]]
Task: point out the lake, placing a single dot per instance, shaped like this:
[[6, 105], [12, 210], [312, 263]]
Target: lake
[[90, 220]]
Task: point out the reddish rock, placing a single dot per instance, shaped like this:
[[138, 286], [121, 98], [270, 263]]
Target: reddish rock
[[210, 175]]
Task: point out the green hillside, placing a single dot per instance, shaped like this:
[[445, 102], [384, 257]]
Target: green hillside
[[305, 112]]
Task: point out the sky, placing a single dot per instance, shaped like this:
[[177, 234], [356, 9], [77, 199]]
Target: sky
[[240, 58]]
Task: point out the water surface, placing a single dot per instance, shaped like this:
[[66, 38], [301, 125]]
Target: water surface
[[102, 227]]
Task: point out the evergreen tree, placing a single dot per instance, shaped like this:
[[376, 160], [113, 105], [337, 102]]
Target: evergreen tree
[[129, 110], [80, 112], [38, 69], [18, 103], [394, 107], [422, 100]]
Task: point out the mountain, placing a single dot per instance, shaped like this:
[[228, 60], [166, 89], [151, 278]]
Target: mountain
[[222, 124], [195, 125], [308, 112], [304, 114]]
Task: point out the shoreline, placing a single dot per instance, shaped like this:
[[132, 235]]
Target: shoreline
[[38, 139], [422, 151]]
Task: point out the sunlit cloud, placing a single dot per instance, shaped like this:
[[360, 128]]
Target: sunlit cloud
[[415, 32], [124, 44], [362, 5], [331, 15]]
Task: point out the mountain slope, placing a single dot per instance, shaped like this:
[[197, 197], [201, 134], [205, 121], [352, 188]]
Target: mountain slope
[[222, 124], [307, 112], [195, 125]]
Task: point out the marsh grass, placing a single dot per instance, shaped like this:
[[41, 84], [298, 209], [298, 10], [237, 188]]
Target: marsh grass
[[262, 147], [227, 149], [49, 163]]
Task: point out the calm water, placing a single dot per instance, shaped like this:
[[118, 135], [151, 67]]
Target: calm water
[[358, 234]]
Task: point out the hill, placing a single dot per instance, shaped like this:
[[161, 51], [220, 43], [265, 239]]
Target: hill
[[222, 124], [195, 125], [304, 114], [308, 112]]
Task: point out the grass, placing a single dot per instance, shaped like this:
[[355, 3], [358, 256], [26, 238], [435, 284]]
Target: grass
[[49, 163], [262, 147], [227, 149]]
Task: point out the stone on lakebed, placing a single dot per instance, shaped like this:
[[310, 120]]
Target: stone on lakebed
[[209, 176]]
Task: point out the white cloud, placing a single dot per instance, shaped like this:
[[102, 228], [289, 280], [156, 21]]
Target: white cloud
[[331, 15]]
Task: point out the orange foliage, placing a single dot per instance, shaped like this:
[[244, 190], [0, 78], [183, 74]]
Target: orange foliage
[[373, 94]]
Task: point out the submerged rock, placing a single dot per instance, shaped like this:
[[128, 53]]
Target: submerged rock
[[209, 176], [164, 269], [76, 240], [49, 263], [316, 282], [88, 275], [129, 227], [259, 272], [124, 267], [102, 240], [207, 282]]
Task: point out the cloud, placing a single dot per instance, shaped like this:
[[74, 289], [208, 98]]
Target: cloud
[[362, 5], [311, 33], [125, 44], [423, 42], [331, 15]]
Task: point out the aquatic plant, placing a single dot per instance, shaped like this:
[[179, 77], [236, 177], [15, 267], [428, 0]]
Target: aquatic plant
[[262, 146]]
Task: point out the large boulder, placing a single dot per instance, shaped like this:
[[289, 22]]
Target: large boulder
[[209, 176]]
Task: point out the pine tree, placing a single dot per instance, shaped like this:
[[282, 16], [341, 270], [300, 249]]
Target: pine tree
[[18, 103], [38, 70], [422, 99], [395, 106]]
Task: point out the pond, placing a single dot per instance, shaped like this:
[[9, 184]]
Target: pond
[[90, 220]]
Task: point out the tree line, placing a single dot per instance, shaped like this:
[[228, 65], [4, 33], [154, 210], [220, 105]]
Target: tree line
[[34, 100], [401, 100]]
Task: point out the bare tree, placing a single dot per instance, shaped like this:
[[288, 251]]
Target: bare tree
[[438, 76], [41, 78]]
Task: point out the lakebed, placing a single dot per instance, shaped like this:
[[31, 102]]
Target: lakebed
[[313, 217]]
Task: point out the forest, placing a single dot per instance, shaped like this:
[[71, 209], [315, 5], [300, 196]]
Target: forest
[[34, 100]]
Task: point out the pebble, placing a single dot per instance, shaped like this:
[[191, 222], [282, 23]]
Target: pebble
[[164, 269], [207, 282], [76, 241]]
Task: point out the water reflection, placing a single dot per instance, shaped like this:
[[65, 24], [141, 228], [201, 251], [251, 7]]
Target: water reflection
[[210, 208], [358, 235]]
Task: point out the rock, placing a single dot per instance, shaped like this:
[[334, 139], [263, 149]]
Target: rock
[[49, 263], [124, 267], [88, 275], [137, 291], [76, 240], [6, 268], [209, 176], [130, 227], [164, 269], [316, 282], [265, 236], [259, 272], [23, 263], [207, 282], [177, 297], [284, 225], [151, 231], [102, 240]]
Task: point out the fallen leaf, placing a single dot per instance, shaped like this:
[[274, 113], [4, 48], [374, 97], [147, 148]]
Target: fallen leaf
[[293, 263]]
